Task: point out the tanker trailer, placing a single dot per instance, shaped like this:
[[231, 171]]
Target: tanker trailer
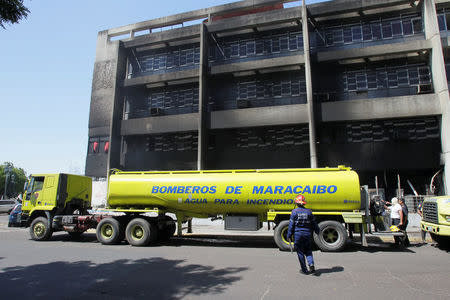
[[246, 199]]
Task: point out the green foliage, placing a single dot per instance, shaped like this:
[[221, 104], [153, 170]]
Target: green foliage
[[19, 180], [12, 11]]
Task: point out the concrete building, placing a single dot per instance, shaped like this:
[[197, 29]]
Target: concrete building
[[251, 85]]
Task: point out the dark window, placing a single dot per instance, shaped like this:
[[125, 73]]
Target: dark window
[[381, 78], [392, 78], [413, 75], [251, 48], [284, 43], [417, 25], [387, 30], [259, 47], [329, 38], [396, 28], [234, 50], [243, 49], [347, 35], [367, 33], [361, 81], [407, 27], [376, 31], [276, 44], [356, 33], [441, 22], [286, 88], [372, 80], [402, 75], [447, 20], [295, 87], [293, 42]]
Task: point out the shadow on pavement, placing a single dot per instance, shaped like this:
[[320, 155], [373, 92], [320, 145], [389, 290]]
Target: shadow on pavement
[[334, 269], [373, 248], [155, 278], [242, 241], [222, 241]]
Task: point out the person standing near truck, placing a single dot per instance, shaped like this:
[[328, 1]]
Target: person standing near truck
[[301, 224], [404, 222]]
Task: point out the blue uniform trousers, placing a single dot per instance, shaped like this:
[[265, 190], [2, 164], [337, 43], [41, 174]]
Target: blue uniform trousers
[[303, 246]]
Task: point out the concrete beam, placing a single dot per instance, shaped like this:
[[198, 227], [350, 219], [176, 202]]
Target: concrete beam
[[260, 116], [381, 108], [347, 6], [164, 77], [260, 64], [440, 83], [193, 15], [254, 20], [164, 37], [99, 131], [378, 50], [162, 124]]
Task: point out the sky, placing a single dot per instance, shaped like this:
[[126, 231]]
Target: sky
[[46, 68]]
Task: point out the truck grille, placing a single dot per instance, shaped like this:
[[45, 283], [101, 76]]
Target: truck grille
[[430, 212]]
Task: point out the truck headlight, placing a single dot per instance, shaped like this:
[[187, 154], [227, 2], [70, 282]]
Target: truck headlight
[[447, 218]]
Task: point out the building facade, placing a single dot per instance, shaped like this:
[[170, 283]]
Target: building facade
[[250, 85]]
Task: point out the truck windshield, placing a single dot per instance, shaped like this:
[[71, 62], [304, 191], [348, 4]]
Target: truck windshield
[[36, 184]]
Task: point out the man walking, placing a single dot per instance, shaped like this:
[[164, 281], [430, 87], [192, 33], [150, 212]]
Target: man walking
[[301, 225]]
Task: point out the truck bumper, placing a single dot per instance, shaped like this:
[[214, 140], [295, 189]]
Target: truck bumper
[[435, 228]]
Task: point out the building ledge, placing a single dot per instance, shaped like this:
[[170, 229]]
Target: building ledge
[[260, 116], [378, 50], [268, 64], [381, 108], [161, 124], [173, 77]]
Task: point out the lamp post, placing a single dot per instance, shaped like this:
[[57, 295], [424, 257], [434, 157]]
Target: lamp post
[[8, 170]]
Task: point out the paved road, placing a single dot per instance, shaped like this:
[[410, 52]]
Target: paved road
[[203, 267]]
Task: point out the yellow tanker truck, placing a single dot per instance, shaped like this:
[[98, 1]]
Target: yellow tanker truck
[[138, 203]]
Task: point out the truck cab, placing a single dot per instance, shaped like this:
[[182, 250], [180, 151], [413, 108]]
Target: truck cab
[[49, 196], [436, 218]]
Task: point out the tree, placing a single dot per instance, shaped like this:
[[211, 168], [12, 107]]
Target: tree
[[16, 187], [12, 11]]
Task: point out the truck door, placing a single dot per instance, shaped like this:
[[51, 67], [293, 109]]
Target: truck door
[[34, 194]]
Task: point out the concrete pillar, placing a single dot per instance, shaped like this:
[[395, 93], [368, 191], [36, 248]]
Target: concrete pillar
[[431, 28], [109, 69], [309, 91], [202, 99]]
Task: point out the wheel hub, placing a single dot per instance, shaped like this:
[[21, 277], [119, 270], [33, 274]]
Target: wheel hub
[[39, 229], [107, 231]]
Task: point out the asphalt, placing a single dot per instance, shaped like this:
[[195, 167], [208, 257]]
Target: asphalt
[[212, 264]]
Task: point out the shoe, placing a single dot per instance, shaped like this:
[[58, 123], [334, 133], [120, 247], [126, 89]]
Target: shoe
[[303, 272], [312, 269]]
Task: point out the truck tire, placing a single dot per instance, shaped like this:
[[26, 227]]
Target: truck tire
[[443, 241], [140, 232], [280, 235], [108, 231], [168, 230], [332, 236], [40, 229]]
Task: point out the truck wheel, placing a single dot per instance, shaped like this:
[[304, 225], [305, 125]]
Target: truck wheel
[[443, 241], [140, 232], [332, 236], [108, 231], [168, 230], [40, 229], [280, 235]]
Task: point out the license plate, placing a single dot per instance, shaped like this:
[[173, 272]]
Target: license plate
[[429, 228]]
